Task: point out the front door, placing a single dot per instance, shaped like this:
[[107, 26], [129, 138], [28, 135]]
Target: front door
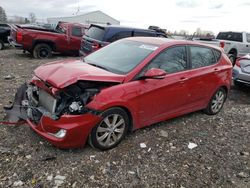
[[162, 98]]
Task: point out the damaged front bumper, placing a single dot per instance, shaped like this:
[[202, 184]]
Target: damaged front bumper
[[77, 128], [37, 107]]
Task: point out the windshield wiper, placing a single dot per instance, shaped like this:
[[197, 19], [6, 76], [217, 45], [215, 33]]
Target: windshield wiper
[[99, 66]]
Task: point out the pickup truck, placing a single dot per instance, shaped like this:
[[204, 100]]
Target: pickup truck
[[235, 44], [4, 33], [65, 38]]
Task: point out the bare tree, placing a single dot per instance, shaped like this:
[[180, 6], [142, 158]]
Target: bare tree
[[3, 17], [32, 17]]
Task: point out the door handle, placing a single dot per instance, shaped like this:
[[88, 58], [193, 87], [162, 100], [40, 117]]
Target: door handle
[[247, 45], [216, 70], [182, 79]]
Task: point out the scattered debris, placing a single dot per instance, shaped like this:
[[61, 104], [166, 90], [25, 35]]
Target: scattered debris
[[143, 145], [9, 77], [192, 145], [48, 158], [244, 153], [92, 177], [163, 133], [28, 156], [243, 175], [149, 149], [18, 183], [131, 172], [59, 180], [50, 177], [4, 150], [91, 157]]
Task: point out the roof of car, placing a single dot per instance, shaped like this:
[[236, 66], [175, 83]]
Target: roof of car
[[121, 27], [158, 41]]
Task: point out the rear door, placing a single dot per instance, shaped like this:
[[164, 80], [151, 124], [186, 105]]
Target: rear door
[[204, 75]]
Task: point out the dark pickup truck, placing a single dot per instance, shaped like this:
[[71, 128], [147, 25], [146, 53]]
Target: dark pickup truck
[[65, 38], [4, 33]]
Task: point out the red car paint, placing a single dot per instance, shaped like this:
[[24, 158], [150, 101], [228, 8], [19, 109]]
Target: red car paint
[[147, 101], [26, 38]]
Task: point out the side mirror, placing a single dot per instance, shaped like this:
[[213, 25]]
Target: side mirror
[[155, 73]]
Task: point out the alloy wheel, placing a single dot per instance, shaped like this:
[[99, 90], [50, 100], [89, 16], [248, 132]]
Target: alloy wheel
[[110, 130], [217, 101]]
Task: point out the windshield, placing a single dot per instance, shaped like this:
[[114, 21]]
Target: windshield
[[120, 57]]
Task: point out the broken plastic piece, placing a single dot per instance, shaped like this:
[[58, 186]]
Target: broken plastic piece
[[192, 145], [17, 112], [143, 145]]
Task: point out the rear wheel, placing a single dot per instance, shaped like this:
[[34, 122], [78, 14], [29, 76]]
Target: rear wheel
[[42, 51], [1, 45], [216, 102], [111, 130]]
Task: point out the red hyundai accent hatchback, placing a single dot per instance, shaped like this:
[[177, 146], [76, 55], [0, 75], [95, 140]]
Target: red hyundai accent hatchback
[[129, 84]]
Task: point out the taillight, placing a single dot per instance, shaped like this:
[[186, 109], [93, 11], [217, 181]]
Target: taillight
[[222, 44], [95, 46], [237, 63], [19, 36]]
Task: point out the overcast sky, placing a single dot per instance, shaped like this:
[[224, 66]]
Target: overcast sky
[[213, 15]]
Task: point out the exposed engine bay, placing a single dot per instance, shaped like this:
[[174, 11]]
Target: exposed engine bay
[[33, 102]]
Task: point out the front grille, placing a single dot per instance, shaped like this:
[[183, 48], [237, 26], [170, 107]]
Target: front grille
[[47, 101]]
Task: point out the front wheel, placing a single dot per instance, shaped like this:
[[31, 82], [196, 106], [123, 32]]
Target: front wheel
[[111, 130], [42, 51], [216, 102]]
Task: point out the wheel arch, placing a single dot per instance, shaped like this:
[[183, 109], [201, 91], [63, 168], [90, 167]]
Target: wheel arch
[[42, 41], [233, 51]]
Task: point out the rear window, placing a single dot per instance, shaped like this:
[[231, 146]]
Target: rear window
[[233, 36], [201, 56], [95, 32]]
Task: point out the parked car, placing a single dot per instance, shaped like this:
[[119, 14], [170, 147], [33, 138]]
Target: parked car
[[98, 36], [41, 41], [4, 33], [127, 85], [241, 71], [235, 44]]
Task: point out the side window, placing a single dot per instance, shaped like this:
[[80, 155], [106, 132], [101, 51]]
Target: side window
[[76, 31], [201, 57], [217, 55], [248, 37], [145, 34], [120, 35], [171, 60]]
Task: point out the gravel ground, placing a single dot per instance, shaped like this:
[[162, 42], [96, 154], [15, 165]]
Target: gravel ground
[[221, 158]]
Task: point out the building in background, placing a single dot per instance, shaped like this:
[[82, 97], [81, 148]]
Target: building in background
[[95, 17]]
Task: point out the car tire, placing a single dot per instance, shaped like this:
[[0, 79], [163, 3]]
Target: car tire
[[42, 51], [216, 102], [111, 130], [232, 58], [1, 45]]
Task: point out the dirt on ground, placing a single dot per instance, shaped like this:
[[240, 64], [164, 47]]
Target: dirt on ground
[[220, 159]]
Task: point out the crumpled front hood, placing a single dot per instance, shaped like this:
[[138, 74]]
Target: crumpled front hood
[[63, 73]]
